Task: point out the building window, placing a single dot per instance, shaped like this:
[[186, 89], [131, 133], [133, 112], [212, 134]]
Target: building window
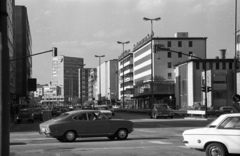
[[224, 65], [169, 43], [210, 65], [169, 75], [169, 55], [230, 65], [179, 43], [217, 65], [180, 55], [197, 65], [169, 65], [190, 43]]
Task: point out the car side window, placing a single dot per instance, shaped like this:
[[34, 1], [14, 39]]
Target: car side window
[[80, 117], [92, 116], [230, 123]]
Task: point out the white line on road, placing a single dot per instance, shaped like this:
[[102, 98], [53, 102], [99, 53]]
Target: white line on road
[[160, 142], [148, 131]]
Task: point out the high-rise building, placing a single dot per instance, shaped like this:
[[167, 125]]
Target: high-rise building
[[65, 71], [23, 47]]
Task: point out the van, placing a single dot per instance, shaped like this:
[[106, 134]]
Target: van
[[161, 110]]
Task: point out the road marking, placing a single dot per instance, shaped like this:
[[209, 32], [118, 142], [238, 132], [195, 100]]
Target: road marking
[[148, 131], [21, 139], [183, 146], [160, 142]]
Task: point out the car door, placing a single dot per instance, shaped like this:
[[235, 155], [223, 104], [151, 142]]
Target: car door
[[98, 124], [80, 124], [229, 129]]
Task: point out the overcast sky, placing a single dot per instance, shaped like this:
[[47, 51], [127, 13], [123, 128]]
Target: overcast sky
[[84, 28]]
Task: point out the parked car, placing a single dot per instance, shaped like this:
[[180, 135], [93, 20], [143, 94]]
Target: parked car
[[162, 110], [85, 123], [105, 110], [56, 111], [224, 110], [37, 114], [220, 137], [25, 115]]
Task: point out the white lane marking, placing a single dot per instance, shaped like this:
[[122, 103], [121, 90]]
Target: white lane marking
[[22, 139], [183, 146], [145, 131], [160, 142], [178, 134]]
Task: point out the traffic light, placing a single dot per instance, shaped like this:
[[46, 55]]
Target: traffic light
[[54, 51], [209, 89], [203, 89]]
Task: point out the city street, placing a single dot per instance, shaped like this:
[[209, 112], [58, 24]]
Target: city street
[[150, 137]]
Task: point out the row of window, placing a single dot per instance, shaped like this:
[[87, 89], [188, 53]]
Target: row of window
[[169, 43]]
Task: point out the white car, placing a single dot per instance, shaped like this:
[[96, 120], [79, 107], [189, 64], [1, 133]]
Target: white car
[[220, 137]]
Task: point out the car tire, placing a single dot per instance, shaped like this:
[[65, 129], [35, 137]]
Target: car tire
[[111, 137], [122, 134], [70, 136], [214, 148]]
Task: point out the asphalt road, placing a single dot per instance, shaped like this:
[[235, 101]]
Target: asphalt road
[[151, 137]]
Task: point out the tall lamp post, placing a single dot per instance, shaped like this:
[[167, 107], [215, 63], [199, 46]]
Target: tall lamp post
[[81, 81], [100, 96], [206, 88], [123, 67], [149, 19]]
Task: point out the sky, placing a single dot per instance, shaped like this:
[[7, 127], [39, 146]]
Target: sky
[[85, 28]]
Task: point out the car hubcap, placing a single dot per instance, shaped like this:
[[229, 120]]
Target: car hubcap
[[122, 133], [70, 136], [215, 151]]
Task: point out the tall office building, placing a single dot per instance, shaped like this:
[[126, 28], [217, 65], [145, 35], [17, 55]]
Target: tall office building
[[65, 71], [23, 47]]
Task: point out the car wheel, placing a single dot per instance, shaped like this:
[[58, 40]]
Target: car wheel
[[215, 149], [70, 136], [111, 137], [122, 134]]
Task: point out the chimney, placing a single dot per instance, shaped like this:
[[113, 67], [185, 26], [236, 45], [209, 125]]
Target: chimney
[[223, 53]]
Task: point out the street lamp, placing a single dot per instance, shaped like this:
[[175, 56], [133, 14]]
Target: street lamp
[[100, 96], [81, 81], [149, 19], [123, 66], [158, 47], [154, 19]]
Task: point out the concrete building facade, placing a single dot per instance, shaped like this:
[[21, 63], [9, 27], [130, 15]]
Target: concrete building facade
[[125, 71], [158, 66], [108, 80]]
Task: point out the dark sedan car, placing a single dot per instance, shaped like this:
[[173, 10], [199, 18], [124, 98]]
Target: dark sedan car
[[37, 114], [25, 115], [85, 123]]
